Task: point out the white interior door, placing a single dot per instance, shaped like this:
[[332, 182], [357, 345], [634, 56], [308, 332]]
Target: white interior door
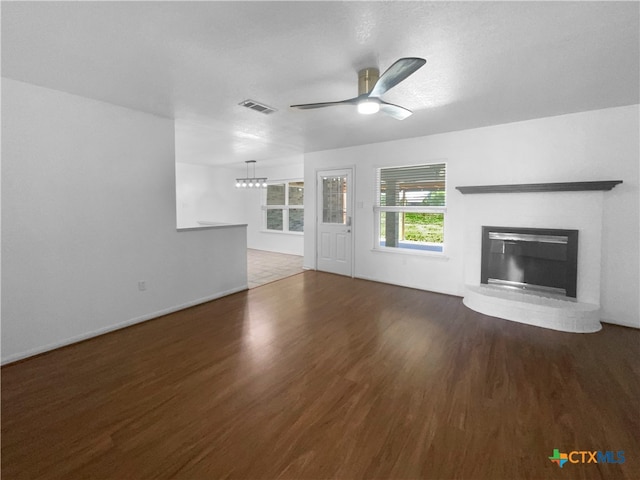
[[334, 244]]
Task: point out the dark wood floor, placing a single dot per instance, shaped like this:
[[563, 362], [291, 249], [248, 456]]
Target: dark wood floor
[[321, 376]]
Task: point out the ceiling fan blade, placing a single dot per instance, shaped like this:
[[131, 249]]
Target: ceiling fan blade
[[395, 111], [308, 106], [395, 74]]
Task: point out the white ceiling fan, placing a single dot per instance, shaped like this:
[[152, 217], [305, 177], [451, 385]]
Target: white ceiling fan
[[372, 85]]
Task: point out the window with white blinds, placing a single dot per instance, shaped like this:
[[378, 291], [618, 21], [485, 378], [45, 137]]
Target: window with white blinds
[[410, 207]]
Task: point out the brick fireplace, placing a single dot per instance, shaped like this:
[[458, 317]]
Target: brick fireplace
[[532, 270]]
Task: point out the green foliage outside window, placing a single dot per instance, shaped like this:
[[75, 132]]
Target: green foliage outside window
[[424, 227], [419, 227]]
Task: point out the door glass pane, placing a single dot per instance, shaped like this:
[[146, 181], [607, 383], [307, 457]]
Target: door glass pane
[[334, 200], [275, 194], [296, 220], [274, 219], [296, 193]]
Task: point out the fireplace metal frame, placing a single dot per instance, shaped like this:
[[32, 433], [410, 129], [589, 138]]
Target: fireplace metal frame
[[542, 235]]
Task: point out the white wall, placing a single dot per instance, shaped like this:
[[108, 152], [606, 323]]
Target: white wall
[[207, 193], [595, 145], [88, 211]]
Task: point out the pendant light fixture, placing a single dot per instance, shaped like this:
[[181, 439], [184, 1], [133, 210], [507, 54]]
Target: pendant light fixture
[[251, 181]]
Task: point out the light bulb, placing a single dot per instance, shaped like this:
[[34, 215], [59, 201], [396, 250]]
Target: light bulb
[[368, 106]]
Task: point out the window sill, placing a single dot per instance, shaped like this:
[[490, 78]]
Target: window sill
[[413, 253]]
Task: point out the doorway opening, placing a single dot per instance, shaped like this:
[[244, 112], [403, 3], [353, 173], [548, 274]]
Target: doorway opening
[[265, 267]]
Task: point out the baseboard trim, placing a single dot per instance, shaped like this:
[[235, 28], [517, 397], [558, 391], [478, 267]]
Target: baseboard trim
[[111, 328], [620, 323], [408, 285]]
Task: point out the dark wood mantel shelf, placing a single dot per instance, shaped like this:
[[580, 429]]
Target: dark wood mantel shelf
[[541, 187]]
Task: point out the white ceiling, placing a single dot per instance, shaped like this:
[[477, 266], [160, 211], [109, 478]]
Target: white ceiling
[[487, 63]]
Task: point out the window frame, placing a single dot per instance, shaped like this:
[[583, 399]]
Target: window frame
[[285, 208], [378, 210]]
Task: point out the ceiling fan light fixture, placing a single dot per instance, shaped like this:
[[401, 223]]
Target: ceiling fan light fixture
[[368, 106], [372, 86]]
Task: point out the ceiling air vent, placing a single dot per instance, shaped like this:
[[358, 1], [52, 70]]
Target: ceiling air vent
[[258, 107]]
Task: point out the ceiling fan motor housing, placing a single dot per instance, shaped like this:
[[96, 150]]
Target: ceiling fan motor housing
[[367, 78]]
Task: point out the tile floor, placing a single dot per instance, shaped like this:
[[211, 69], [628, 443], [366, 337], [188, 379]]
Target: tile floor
[[265, 267]]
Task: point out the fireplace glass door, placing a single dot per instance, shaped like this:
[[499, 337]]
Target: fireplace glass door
[[539, 260]]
